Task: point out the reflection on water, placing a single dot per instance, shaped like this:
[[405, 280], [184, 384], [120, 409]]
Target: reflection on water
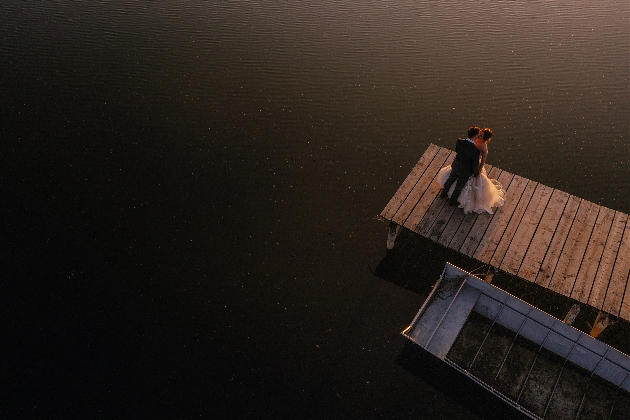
[[232, 154]]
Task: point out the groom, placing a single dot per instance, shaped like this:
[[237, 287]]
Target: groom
[[466, 163]]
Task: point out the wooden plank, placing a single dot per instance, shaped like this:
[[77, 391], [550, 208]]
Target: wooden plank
[[593, 255], [425, 180], [574, 248], [426, 200], [464, 229], [426, 223], [607, 262], [469, 219], [619, 278], [512, 226], [557, 242], [525, 232], [450, 229], [440, 221], [483, 221], [542, 238], [394, 203], [492, 237]]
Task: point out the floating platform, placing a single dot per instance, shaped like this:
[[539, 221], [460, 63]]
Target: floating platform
[[533, 361], [561, 242]]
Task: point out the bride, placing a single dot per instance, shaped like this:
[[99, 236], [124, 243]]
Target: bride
[[480, 193]]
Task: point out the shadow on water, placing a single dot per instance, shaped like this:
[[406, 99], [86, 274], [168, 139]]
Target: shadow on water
[[415, 264], [456, 385]]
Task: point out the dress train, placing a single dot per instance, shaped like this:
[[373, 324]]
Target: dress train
[[479, 194]]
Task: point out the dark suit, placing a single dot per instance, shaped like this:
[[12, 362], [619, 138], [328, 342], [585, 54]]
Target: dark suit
[[466, 163]]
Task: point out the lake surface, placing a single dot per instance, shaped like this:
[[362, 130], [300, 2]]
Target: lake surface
[[190, 190]]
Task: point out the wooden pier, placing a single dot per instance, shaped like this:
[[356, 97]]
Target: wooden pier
[[543, 235]]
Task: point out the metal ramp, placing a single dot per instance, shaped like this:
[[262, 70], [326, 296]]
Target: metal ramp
[[535, 362]]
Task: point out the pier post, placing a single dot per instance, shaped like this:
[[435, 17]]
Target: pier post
[[601, 322], [491, 273], [393, 232], [572, 314]]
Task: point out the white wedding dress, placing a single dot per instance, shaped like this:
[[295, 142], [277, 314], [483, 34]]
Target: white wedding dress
[[479, 194]]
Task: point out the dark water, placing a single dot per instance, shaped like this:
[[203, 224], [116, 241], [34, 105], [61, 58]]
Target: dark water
[[189, 192]]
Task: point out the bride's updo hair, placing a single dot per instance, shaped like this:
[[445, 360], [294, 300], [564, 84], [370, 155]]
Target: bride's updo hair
[[473, 131], [487, 133]]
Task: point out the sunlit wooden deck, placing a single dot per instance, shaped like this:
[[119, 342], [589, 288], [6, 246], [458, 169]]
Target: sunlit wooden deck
[[564, 243]]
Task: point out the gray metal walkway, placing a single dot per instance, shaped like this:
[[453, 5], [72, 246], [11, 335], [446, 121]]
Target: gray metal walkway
[[540, 365]]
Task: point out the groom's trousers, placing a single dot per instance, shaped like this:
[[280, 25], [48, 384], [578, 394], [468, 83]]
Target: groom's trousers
[[460, 177]]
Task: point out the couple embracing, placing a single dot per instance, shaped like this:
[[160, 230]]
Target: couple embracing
[[465, 182]]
